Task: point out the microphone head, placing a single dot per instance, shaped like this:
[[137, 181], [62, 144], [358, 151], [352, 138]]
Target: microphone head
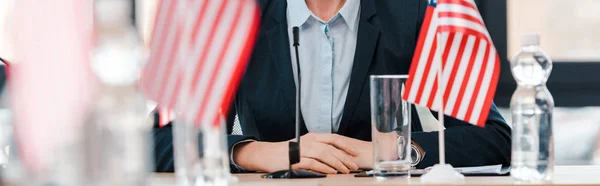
[[296, 32]]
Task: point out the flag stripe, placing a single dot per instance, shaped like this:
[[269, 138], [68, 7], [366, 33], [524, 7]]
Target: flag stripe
[[457, 22], [170, 41], [490, 93], [473, 73], [243, 58], [203, 27], [171, 88], [461, 16], [208, 64], [433, 94], [465, 30], [211, 91], [437, 99], [477, 85], [201, 14], [208, 19], [461, 3], [467, 76], [165, 12], [485, 79], [209, 46], [448, 66], [430, 66], [422, 69], [418, 50], [460, 75], [470, 2], [155, 33], [214, 106], [174, 97], [449, 80], [432, 73], [211, 62], [460, 22], [422, 51], [159, 22], [459, 8], [170, 67]]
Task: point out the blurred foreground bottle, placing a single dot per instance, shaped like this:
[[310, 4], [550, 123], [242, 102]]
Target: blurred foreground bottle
[[5, 131], [118, 131], [201, 156], [531, 107], [50, 86]]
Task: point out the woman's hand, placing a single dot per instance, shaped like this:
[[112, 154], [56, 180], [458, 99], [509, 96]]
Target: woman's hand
[[325, 153]]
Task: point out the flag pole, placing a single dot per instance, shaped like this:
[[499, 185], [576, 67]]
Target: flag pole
[[440, 91], [185, 130], [441, 172]]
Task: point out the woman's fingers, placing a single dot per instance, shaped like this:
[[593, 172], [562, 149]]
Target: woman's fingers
[[314, 165], [324, 154]]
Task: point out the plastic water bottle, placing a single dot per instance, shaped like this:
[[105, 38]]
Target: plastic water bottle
[[531, 107], [117, 136]]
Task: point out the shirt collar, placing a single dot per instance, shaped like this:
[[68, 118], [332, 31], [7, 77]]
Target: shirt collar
[[350, 12], [298, 12]]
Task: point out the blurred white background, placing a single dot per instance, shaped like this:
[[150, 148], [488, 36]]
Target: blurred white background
[[568, 28]]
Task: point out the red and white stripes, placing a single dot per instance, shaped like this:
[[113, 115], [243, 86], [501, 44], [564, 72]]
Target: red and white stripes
[[454, 38], [211, 46], [161, 69], [224, 40]]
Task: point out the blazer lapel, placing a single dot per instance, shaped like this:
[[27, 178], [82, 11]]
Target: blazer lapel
[[279, 46], [368, 36]]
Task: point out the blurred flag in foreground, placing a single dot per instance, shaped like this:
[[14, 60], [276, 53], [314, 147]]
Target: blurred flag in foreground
[[199, 52], [454, 38], [50, 80]]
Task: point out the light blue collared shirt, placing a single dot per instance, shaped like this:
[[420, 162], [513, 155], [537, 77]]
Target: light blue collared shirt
[[326, 57]]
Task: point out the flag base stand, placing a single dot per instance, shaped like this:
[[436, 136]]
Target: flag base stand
[[291, 174], [442, 173]]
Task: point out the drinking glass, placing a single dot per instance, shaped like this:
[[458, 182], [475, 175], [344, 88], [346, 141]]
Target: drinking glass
[[390, 122]]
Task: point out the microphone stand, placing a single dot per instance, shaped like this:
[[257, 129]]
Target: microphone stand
[[294, 147]]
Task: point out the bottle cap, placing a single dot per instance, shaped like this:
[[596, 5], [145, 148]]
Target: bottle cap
[[530, 39]]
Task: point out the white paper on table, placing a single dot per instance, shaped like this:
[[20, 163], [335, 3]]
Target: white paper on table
[[488, 169]]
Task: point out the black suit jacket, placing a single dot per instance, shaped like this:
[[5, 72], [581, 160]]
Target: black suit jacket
[[387, 36]]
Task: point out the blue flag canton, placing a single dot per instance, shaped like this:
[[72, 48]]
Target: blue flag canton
[[433, 3]]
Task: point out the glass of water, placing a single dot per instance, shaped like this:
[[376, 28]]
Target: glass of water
[[201, 153], [390, 122]]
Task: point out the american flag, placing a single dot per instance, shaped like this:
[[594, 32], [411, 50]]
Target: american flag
[[454, 37], [199, 52], [162, 67]]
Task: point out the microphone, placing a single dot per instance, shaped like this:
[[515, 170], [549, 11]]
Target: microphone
[[294, 147], [296, 33]]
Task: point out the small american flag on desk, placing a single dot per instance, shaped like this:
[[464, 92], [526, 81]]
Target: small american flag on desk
[[199, 51], [454, 38]]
